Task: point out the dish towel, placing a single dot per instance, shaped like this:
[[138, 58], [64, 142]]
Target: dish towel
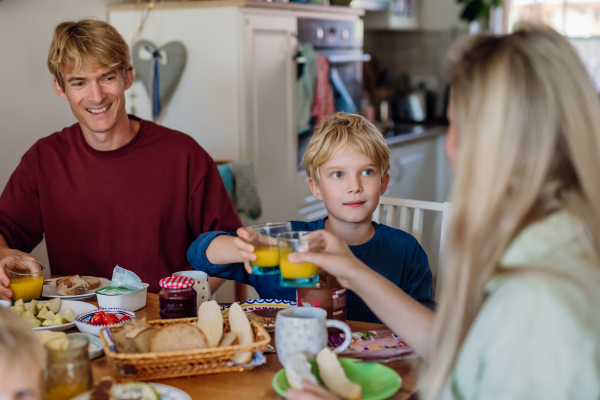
[[323, 104], [245, 193], [306, 88], [343, 100], [227, 176]]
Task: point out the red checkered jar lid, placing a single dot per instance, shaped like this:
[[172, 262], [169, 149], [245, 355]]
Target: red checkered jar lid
[[177, 282]]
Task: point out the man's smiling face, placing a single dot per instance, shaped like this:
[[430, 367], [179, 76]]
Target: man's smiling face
[[96, 95]]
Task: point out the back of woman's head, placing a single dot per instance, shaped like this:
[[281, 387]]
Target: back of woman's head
[[529, 145]]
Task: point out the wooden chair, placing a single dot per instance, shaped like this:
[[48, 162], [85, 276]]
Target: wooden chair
[[418, 207]]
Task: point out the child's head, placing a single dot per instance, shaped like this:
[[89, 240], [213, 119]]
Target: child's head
[[347, 163], [22, 359]]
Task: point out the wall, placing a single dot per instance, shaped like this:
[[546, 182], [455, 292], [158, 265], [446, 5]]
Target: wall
[[29, 108]]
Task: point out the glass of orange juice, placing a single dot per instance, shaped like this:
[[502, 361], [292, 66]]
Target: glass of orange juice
[[68, 371], [298, 275], [265, 247], [26, 279]]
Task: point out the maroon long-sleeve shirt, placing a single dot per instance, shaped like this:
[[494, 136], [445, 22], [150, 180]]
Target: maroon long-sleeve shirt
[[139, 206]]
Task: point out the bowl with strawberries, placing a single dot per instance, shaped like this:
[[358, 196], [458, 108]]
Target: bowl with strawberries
[[91, 322]]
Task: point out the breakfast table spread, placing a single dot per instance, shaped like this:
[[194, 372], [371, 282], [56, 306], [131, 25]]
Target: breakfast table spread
[[253, 384]]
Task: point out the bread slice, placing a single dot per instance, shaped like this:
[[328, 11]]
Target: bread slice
[[240, 325], [71, 286], [142, 340], [93, 282], [124, 344], [178, 337], [334, 377], [210, 322], [298, 369], [229, 339]]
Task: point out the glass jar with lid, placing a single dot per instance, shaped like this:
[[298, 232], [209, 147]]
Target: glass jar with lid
[[68, 371], [177, 298]]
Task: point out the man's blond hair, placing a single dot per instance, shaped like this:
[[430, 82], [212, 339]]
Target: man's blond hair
[[345, 131], [87, 41]]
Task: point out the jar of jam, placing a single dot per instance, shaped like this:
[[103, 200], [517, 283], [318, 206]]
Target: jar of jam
[[177, 298]]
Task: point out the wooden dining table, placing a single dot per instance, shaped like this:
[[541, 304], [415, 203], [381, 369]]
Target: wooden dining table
[[253, 384]]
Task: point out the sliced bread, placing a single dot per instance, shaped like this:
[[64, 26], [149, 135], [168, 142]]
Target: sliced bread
[[334, 377], [177, 337], [93, 282], [229, 339], [298, 369], [71, 286], [240, 325], [143, 338], [210, 322]]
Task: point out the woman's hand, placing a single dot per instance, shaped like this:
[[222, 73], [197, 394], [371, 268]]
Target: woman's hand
[[335, 258], [8, 256], [310, 391]]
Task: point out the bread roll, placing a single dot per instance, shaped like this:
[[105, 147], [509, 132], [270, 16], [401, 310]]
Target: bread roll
[[177, 337], [240, 325], [229, 339], [210, 322], [334, 377], [298, 369]]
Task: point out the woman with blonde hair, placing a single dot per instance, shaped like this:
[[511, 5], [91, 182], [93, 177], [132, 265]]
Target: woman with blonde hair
[[518, 315]]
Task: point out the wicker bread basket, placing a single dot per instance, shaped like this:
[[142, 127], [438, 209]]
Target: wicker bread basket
[[175, 364]]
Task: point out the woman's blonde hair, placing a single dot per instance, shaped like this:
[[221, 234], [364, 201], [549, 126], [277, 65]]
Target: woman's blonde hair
[[18, 343], [88, 41], [529, 145], [343, 131]]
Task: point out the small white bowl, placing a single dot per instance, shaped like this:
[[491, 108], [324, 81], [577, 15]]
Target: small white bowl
[[130, 301], [85, 327]]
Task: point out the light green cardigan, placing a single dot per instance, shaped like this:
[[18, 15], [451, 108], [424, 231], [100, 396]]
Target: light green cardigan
[[537, 335]]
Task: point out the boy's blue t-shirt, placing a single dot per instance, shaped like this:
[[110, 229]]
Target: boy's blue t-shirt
[[393, 253]]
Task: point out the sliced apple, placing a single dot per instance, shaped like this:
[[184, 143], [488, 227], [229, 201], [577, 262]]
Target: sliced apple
[[54, 305], [28, 314], [33, 306], [36, 323], [69, 315], [42, 310], [20, 309], [19, 303], [46, 315]]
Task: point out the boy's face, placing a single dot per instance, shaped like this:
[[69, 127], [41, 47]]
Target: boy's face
[[96, 96], [20, 383], [350, 184]]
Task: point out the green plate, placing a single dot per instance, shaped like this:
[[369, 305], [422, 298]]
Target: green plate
[[377, 381]]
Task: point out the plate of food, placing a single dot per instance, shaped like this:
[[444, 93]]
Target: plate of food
[[73, 287], [263, 311], [55, 315], [107, 389], [342, 376]]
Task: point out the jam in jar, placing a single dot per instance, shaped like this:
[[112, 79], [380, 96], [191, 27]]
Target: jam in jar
[[177, 298]]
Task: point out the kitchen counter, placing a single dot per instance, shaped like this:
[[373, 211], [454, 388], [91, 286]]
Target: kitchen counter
[[404, 133], [278, 6]]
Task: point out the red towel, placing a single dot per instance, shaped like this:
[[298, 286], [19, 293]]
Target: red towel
[[323, 104]]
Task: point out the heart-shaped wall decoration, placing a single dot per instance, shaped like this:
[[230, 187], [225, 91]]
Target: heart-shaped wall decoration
[[160, 70]]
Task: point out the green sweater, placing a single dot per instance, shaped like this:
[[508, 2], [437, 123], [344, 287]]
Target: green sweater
[[537, 335]]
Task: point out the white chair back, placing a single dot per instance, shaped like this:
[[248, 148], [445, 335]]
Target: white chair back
[[418, 208]]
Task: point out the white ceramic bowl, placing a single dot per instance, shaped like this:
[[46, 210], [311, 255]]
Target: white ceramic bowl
[[85, 327], [130, 301]]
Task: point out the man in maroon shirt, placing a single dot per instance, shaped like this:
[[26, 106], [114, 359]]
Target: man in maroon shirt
[[111, 189]]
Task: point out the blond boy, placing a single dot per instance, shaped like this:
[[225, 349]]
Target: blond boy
[[347, 163], [22, 360]]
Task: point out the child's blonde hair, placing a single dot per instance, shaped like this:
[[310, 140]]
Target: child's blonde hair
[[89, 40], [18, 343], [343, 131]]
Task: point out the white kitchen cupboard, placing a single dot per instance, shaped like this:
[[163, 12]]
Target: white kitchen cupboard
[[237, 93]]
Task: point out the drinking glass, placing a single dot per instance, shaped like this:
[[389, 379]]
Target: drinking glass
[[26, 279], [298, 275], [68, 371], [265, 247]]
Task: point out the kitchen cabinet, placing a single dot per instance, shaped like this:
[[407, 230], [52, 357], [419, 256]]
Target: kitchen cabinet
[[237, 93], [410, 15]]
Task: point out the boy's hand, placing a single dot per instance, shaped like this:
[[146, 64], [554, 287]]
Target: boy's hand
[[335, 258], [247, 241], [310, 391]]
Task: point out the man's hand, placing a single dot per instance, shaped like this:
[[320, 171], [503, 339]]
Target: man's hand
[[335, 258], [8, 256], [310, 391]]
